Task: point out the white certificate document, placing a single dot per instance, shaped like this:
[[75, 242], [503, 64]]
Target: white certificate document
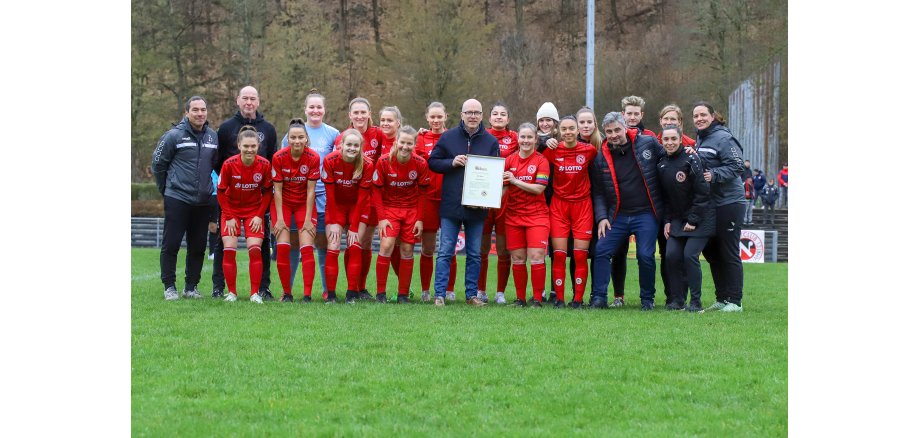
[[482, 181]]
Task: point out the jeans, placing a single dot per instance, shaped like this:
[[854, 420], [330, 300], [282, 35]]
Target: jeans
[[450, 229], [191, 221], [645, 226], [749, 211]]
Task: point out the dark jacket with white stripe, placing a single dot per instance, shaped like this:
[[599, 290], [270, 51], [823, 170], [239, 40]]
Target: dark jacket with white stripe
[[721, 154], [182, 163]]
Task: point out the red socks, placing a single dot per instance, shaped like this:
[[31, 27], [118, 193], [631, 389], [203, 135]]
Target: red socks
[[538, 279], [365, 268], [229, 266], [354, 269], [405, 274], [559, 274], [426, 268], [394, 261], [284, 266], [504, 270], [309, 269], [383, 269], [520, 280], [581, 272], [255, 269], [332, 269], [483, 269]]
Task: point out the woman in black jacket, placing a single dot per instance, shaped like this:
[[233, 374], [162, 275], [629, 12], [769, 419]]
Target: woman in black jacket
[[689, 218]]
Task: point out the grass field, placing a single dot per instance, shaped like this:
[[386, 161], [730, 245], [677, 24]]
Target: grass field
[[209, 368]]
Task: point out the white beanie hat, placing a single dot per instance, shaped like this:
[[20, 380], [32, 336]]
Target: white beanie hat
[[548, 110]]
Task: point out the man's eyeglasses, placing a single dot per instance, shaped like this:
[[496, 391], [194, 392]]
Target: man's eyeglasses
[[473, 113]]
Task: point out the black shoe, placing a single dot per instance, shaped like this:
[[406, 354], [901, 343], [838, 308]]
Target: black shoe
[[674, 305], [287, 298], [648, 305], [598, 303], [266, 295], [577, 305], [351, 297], [536, 304], [330, 298], [217, 293], [382, 298], [559, 304], [519, 303], [306, 299], [552, 297], [365, 295], [695, 307], [400, 299]]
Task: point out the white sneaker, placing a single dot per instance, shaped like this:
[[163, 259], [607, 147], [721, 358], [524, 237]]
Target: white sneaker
[[482, 296], [255, 298], [718, 305], [171, 294], [731, 307], [451, 296], [426, 296], [499, 298], [231, 297]]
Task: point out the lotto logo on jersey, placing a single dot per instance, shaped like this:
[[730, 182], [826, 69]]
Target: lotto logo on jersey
[[303, 168], [506, 140], [257, 177], [413, 174], [647, 154], [532, 168], [580, 159], [681, 176]]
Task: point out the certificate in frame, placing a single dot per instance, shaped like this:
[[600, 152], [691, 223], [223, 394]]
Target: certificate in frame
[[482, 181]]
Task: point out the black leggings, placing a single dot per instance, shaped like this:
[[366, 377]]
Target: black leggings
[[683, 260], [724, 255], [191, 221]]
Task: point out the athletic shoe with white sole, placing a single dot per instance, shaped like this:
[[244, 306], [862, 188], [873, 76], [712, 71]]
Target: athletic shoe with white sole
[[451, 296], [231, 297], [255, 298], [731, 307], [217, 293], [193, 293], [618, 302], [438, 302], [426, 296], [499, 298], [171, 294], [483, 296], [718, 305]]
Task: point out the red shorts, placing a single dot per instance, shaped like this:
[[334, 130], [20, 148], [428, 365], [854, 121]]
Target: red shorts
[[495, 218], [299, 212], [371, 218], [402, 221], [532, 236], [431, 215], [242, 226], [574, 216], [342, 217]]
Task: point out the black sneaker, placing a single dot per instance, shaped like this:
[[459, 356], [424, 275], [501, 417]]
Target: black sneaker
[[365, 295], [674, 305], [351, 297], [401, 299], [536, 304], [519, 303], [330, 298], [576, 305], [648, 305], [382, 298], [552, 298], [695, 307], [287, 298], [306, 299], [597, 303], [559, 304], [217, 293], [266, 294]]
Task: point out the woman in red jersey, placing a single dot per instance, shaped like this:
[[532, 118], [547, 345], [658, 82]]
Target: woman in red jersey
[[507, 145], [570, 208], [436, 115], [244, 192], [390, 122], [295, 170], [399, 180], [672, 115], [526, 214], [347, 175]]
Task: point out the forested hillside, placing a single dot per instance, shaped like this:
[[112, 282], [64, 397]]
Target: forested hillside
[[410, 52]]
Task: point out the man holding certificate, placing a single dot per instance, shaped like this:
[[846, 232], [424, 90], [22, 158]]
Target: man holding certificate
[[472, 184]]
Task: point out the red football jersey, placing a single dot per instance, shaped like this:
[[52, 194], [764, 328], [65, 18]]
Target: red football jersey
[[522, 208], [401, 184], [507, 141], [424, 144], [294, 174], [339, 172], [373, 140], [570, 179], [386, 145], [241, 188]]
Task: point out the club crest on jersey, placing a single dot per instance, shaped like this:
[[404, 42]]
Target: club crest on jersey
[[257, 177], [580, 159], [532, 168], [647, 154], [681, 176], [374, 143], [303, 168], [577, 281], [506, 140], [558, 282], [413, 174]]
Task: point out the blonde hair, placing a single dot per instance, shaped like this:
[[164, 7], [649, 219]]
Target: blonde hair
[[359, 161], [669, 108], [633, 101], [408, 130], [370, 117], [595, 139]]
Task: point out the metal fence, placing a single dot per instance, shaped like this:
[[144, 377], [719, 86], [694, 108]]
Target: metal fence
[[753, 117]]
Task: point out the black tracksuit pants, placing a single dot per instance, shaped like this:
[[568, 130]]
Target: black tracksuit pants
[[191, 221], [683, 260], [218, 276], [723, 253]]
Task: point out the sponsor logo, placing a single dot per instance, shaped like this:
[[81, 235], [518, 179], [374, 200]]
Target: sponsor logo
[[647, 154], [532, 168], [413, 174], [257, 177], [401, 183], [337, 172], [249, 186], [580, 159], [236, 176], [190, 138], [681, 176], [560, 159], [524, 178], [303, 168], [570, 168], [297, 179], [285, 170]]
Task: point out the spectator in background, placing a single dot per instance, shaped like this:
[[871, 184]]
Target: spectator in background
[[783, 180], [248, 114], [747, 177], [768, 197], [759, 183], [182, 162]]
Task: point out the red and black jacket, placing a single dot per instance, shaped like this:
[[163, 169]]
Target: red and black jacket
[[605, 192]]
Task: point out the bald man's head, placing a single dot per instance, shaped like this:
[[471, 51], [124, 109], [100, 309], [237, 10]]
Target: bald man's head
[[471, 113], [248, 101]]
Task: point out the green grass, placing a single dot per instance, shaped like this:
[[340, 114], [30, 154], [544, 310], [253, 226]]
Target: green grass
[[209, 368]]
